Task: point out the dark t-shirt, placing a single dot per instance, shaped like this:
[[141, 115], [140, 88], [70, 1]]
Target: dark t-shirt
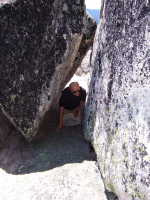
[[69, 101]]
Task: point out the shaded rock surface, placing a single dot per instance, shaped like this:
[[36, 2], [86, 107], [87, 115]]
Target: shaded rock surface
[[118, 108], [6, 127], [42, 45], [58, 166]]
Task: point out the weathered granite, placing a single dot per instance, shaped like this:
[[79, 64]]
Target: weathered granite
[[42, 44], [118, 109], [6, 127], [73, 181], [84, 68], [58, 166]]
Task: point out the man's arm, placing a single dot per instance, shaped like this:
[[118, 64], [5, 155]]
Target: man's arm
[[60, 125], [81, 104], [77, 111]]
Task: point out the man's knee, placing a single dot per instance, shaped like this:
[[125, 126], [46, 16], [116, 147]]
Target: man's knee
[[70, 120]]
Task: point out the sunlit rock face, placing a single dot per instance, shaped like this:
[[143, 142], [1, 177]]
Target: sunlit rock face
[[42, 44], [118, 107]]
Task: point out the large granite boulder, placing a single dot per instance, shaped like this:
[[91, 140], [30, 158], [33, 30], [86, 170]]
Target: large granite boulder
[[42, 45], [118, 107]]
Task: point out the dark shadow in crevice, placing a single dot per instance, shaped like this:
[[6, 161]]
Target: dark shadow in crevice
[[54, 149], [111, 195]]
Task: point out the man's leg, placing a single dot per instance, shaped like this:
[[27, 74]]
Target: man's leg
[[69, 119]]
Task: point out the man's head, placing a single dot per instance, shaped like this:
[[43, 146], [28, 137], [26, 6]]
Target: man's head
[[74, 88]]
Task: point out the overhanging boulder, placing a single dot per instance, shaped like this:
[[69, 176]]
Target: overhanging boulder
[[42, 45]]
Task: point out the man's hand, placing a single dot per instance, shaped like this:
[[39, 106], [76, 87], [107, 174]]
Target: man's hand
[[76, 113], [60, 126]]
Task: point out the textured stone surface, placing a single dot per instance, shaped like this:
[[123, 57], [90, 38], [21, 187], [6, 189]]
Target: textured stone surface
[[6, 127], [42, 45], [118, 108], [84, 68], [57, 166], [72, 181]]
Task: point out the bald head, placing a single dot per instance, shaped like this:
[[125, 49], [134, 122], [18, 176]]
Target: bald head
[[74, 84], [74, 88]]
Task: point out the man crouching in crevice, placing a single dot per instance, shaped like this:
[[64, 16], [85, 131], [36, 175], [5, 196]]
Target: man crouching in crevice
[[71, 101]]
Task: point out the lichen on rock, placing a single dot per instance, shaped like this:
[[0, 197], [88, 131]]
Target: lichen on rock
[[42, 44], [119, 95]]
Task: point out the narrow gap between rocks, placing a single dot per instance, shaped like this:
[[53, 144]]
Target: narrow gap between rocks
[[60, 151], [18, 156]]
